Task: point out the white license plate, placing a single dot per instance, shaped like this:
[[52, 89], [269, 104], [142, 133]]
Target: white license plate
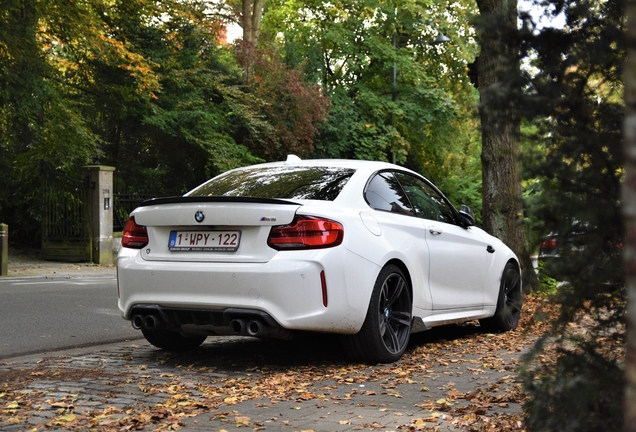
[[204, 241]]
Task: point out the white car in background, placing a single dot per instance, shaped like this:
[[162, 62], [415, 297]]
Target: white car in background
[[368, 250]]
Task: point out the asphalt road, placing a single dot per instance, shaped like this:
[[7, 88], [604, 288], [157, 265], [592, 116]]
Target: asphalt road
[[39, 315]]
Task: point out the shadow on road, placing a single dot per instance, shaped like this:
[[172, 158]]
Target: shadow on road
[[243, 353]]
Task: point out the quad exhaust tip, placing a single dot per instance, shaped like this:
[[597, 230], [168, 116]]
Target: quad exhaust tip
[[137, 322], [254, 328], [237, 326], [150, 322], [238, 322]]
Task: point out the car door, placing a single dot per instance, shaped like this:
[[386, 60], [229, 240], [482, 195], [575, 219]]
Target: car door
[[457, 255], [402, 229]]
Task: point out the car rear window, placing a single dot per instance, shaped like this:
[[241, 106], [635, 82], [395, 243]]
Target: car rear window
[[285, 182]]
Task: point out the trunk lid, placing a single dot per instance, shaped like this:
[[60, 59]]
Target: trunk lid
[[211, 229]]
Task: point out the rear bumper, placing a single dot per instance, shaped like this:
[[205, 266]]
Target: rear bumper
[[288, 287]]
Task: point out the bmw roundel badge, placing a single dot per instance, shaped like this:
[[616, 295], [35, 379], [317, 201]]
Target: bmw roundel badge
[[199, 216]]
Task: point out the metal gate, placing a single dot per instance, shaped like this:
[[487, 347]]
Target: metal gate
[[124, 204], [66, 220]]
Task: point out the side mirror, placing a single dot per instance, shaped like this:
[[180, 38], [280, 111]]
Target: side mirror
[[467, 216]]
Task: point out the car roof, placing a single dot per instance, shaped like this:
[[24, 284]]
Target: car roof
[[362, 165]]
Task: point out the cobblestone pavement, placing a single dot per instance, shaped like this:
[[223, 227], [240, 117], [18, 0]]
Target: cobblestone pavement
[[231, 383]]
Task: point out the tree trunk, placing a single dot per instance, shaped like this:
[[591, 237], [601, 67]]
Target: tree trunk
[[257, 18], [629, 216], [497, 69], [251, 22], [247, 22]]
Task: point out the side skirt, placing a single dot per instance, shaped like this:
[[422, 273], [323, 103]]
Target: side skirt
[[425, 320]]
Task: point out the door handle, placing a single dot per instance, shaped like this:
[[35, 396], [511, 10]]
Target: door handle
[[434, 230], [490, 249]]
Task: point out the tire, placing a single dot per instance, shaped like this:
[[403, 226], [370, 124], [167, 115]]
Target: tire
[[172, 340], [508, 303], [385, 333]]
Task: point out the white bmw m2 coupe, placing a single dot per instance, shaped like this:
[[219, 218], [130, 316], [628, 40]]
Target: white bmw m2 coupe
[[368, 250]]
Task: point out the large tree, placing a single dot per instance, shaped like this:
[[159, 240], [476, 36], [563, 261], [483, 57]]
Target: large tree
[[629, 215], [497, 80]]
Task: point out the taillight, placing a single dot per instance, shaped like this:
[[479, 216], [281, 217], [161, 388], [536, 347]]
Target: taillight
[[135, 236], [548, 244], [306, 232]]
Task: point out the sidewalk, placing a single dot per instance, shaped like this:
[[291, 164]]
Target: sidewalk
[[27, 263]]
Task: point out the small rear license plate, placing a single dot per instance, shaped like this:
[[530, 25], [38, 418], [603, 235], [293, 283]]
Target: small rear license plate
[[204, 241]]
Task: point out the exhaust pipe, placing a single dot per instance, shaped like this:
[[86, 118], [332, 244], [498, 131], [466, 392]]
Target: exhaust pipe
[[151, 322], [137, 322], [237, 326], [254, 328]]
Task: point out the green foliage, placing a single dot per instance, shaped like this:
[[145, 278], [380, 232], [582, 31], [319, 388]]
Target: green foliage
[[292, 107], [426, 121], [548, 284], [577, 165], [532, 155], [144, 86], [176, 125], [38, 119]]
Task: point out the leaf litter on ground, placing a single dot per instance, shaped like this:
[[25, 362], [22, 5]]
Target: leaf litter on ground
[[193, 385]]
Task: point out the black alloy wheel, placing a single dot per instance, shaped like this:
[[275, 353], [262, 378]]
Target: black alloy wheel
[[509, 302], [387, 328]]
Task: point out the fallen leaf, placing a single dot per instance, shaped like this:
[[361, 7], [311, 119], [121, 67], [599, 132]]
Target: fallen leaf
[[242, 421], [67, 418]]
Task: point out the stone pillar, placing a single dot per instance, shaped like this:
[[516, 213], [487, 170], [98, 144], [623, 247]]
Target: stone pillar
[[101, 201], [4, 249]]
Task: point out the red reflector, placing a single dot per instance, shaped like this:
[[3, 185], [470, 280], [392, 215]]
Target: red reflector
[[548, 244], [323, 284], [135, 236], [306, 232]]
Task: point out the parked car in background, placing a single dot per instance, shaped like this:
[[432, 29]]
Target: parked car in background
[[368, 250], [563, 255], [558, 248], [554, 246]]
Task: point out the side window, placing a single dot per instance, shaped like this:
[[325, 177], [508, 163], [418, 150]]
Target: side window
[[427, 202], [385, 193]]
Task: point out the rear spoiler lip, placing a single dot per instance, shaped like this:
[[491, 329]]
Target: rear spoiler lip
[[213, 199]]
